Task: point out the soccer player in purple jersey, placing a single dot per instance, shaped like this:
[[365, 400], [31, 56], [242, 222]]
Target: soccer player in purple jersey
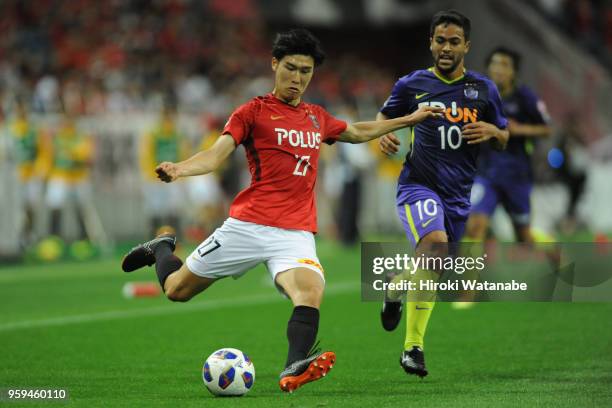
[[433, 192], [506, 177]]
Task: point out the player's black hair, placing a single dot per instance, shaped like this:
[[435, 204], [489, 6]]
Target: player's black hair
[[451, 17], [298, 41], [514, 56]]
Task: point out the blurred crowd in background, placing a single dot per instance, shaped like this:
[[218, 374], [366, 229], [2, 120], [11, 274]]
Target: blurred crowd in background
[[93, 57], [95, 93], [588, 21]]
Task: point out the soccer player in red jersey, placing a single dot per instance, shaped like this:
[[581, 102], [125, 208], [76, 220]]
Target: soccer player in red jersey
[[273, 221]]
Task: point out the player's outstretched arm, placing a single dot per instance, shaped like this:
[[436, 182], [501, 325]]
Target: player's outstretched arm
[[361, 132], [389, 143], [202, 162], [479, 132], [528, 130]]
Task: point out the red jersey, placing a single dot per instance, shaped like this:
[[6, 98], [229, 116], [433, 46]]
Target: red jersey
[[282, 144]]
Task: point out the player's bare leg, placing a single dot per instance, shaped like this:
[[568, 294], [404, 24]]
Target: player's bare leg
[[552, 251], [522, 232], [476, 227], [176, 280], [303, 286], [304, 363], [182, 285], [475, 231]]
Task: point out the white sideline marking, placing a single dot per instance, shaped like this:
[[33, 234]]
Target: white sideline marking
[[337, 288]]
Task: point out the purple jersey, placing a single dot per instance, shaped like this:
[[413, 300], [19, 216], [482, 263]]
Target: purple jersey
[[514, 163], [440, 159]]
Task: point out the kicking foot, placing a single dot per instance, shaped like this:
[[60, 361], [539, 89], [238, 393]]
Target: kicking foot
[[144, 254]]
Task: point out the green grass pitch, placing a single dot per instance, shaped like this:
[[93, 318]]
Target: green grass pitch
[[67, 325]]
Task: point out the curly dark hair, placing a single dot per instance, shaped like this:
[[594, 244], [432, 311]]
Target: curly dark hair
[[451, 17]]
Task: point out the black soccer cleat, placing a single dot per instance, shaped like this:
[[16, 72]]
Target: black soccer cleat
[[144, 254], [413, 362], [314, 367], [391, 314]]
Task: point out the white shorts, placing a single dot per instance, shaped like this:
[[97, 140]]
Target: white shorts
[[237, 246]]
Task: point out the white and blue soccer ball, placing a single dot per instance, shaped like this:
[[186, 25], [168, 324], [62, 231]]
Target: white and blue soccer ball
[[228, 371]]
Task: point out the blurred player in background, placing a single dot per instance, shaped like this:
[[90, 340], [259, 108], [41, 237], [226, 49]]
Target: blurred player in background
[[505, 177], [29, 143], [573, 170], [273, 221], [434, 186], [69, 156], [163, 143]]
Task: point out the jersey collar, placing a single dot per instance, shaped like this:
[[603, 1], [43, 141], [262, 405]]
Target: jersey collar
[[446, 81], [277, 100]]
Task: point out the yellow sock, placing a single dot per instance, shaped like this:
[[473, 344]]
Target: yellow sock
[[418, 310], [417, 318]]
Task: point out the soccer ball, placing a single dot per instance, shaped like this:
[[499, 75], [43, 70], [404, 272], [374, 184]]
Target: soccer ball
[[228, 371]]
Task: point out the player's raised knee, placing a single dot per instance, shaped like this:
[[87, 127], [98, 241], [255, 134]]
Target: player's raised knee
[[310, 296]]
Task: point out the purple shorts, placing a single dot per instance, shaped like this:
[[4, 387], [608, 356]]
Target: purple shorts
[[422, 211], [514, 196]]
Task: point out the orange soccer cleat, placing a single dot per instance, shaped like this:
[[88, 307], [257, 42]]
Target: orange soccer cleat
[[312, 368]]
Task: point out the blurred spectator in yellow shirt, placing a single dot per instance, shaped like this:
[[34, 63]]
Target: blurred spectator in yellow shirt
[[68, 155], [29, 145], [163, 143]]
